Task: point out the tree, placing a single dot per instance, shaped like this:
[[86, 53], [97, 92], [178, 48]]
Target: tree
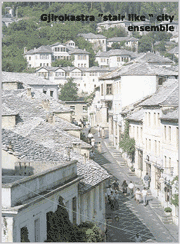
[[62, 62], [69, 91], [127, 143], [145, 44]]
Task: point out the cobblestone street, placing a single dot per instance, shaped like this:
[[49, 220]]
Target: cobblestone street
[[133, 218]]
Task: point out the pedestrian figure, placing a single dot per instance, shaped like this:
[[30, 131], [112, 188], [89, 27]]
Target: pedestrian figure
[[124, 186], [90, 136], [116, 199], [131, 189], [147, 180], [138, 195], [92, 142], [116, 185], [99, 130], [138, 238], [144, 195], [102, 132]]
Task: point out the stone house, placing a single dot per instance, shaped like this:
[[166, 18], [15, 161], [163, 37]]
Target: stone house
[[12, 81], [87, 79], [114, 57], [154, 126], [130, 42], [99, 41], [40, 147], [45, 55]]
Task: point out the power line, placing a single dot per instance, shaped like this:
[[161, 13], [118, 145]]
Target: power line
[[74, 211]]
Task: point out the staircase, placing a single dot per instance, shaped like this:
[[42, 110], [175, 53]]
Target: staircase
[[167, 219], [155, 205]]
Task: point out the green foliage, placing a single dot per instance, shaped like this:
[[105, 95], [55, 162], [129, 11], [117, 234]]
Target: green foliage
[[30, 32], [127, 144], [116, 45], [145, 44], [62, 62], [62, 230], [90, 232], [175, 197], [168, 210], [69, 91], [114, 32]]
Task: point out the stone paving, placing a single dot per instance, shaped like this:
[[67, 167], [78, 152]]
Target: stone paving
[[133, 218]]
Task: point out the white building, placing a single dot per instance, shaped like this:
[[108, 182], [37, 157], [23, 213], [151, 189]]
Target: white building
[[114, 57], [40, 148], [12, 80], [87, 79], [99, 41], [45, 55], [130, 42]]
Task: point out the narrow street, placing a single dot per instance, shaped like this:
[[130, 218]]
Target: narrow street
[[133, 218]]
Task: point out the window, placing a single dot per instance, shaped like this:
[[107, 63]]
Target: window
[[101, 89], [44, 92], [154, 118], [29, 58], [74, 209], [37, 230], [118, 59], [137, 132], [149, 144], [51, 93], [165, 162], [169, 133], [49, 224], [155, 147], [109, 89], [164, 132], [149, 119], [159, 148], [72, 107], [169, 165]]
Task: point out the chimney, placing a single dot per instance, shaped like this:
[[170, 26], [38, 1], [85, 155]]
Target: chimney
[[45, 104], [77, 147], [25, 50], [9, 147], [84, 157], [29, 92], [50, 118]]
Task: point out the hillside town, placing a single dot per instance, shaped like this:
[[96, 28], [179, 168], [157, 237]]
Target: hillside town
[[90, 138]]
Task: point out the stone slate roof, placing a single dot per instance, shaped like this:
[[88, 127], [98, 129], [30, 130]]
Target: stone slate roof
[[171, 115], [76, 51], [154, 58], [140, 68], [41, 49], [136, 115], [30, 108], [26, 149], [167, 95], [120, 39], [25, 78], [116, 52], [174, 50], [52, 136], [92, 36], [7, 111]]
